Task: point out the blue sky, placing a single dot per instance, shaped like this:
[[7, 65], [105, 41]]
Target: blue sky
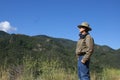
[[59, 18]]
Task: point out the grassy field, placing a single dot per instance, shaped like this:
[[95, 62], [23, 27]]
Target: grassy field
[[106, 74], [50, 70]]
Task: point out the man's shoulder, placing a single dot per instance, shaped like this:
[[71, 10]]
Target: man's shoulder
[[89, 36]]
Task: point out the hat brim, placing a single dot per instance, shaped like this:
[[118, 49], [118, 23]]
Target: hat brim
[[80, 26]]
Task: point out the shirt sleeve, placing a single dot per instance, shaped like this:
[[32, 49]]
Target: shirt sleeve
[[90, 47]]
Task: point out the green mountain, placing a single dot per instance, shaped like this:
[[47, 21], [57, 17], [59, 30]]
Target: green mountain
[[14, 48]]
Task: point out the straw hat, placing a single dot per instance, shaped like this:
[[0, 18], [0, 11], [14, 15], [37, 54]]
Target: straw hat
[[86, 25]]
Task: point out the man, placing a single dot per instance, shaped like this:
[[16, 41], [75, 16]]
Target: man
[[84, 50]]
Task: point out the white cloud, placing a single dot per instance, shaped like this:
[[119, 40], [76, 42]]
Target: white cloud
[[5, 26]]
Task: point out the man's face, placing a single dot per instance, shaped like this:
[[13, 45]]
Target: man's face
[[82, 29]]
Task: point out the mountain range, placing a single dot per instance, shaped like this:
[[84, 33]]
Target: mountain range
[[15, 47]]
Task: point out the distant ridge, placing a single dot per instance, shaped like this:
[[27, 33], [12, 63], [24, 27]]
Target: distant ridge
[[14, 48]]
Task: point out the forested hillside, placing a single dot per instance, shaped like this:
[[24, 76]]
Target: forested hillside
[[16, 48]]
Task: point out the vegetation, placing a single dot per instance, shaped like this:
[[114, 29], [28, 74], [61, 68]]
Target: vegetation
[[51, 70], [45, 58]]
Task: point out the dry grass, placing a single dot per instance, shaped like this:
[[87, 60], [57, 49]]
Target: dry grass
[[51, 71]]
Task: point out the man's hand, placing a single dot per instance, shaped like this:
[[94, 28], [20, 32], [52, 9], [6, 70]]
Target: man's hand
[[83, 61]]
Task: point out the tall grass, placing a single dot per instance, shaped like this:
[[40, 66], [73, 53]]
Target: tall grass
[[106, 74], [50, 70], [111, 74], [3, 74]]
